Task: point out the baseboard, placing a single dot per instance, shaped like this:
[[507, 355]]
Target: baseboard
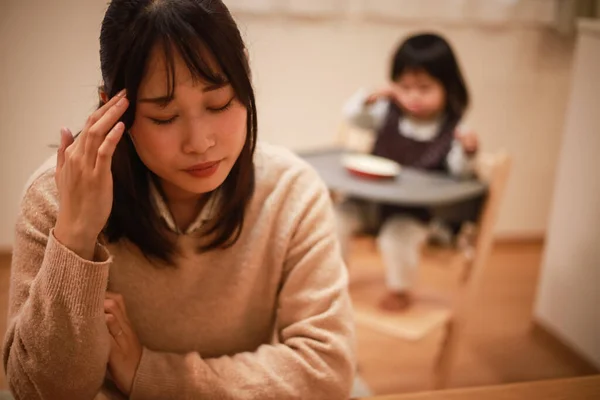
[[562, 348], [5, 256], [538, 238]]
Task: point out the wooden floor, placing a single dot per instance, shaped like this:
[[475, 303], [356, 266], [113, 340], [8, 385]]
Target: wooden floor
[[499, 345], [498, 348]]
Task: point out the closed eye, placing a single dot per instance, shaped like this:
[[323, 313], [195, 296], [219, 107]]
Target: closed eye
[[163, 121], [222, 108]]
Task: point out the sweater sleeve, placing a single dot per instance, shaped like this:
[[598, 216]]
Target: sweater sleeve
[[368, 117], [313, 356], [56, 345]]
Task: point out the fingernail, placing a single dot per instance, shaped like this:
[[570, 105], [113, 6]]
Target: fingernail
[[122, 93], [121, 102]]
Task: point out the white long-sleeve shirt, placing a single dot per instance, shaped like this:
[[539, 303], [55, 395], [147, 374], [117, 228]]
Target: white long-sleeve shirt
[[372, 117]]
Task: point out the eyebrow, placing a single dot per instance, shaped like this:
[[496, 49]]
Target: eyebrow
[[164, 100]]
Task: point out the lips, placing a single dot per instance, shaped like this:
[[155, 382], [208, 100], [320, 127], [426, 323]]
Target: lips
[[204, 170], [203, 166], [414, 108]]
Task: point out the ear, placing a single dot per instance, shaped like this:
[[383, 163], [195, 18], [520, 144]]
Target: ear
[[102, 95]]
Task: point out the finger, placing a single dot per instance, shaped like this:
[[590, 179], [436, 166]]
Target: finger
[[114, 349], [66, 139], [117, 308], [107, 148], [116, 330], [101, 128], [112, 307], [94, 117], [116, 297]]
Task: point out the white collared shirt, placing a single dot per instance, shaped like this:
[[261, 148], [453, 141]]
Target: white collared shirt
[[164, 212]]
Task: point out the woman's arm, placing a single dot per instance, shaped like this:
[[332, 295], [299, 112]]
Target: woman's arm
[[56, 345], [314, 356]]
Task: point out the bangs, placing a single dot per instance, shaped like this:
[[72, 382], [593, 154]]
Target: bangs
[[197, 58], [186, 32]]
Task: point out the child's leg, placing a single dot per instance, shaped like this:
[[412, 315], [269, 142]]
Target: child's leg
[[349, 218], [400, 242]]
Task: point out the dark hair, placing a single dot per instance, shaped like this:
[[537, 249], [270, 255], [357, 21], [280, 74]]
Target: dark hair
[[190, 28], [433, 54]]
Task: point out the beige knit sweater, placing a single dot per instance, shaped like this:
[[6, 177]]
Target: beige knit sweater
[[269, 318]]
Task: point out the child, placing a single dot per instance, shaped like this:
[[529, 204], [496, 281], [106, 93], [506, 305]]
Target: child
[[416, 119], [166, 254]]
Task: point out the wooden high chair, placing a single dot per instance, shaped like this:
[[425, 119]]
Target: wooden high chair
[[423, 319]]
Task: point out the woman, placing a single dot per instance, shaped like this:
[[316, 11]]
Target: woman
[[167, 254]]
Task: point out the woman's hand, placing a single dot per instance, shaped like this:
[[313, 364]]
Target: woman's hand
[[84, 180], [125, 348], [468, 140]]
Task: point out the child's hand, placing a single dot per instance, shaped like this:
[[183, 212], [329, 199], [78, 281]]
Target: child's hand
[[383, 93], [468, 140]]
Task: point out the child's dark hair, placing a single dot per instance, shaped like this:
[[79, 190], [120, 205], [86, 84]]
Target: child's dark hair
[[433, 54]]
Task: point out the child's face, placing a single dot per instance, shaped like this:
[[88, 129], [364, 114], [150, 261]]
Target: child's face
[[421, 95]]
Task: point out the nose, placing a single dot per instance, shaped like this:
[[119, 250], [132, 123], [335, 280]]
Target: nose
[[413, 96], [199, 138]]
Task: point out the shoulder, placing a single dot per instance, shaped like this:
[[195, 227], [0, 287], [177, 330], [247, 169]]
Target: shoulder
[[42, 179], [276, 165], [285, 178], [276, 156], [39, 200]]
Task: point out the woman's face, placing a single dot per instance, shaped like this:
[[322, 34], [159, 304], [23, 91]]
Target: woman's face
[[421, 95], [191, 143]]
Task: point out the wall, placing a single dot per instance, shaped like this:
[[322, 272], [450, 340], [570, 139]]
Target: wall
[[453, 11], [48, 74], [568, 297], [519, 80], [304, 70]]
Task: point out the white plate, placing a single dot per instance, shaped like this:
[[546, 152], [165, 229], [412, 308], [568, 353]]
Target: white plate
[[368, 166]]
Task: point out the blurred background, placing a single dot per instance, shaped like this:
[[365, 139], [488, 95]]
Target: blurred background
[[532, 69]]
